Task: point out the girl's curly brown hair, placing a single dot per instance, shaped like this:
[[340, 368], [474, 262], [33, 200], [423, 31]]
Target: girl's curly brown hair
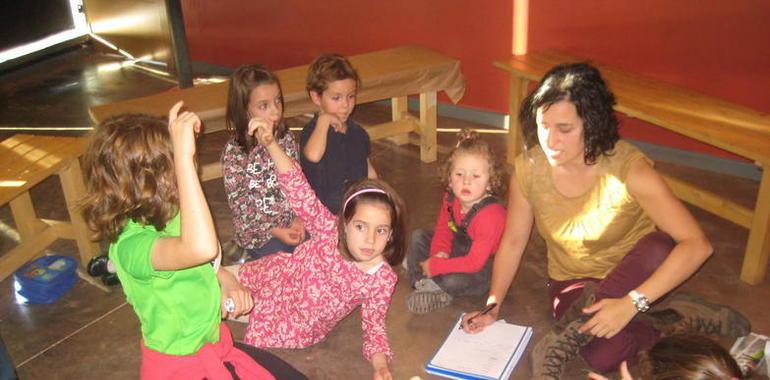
[[470, 142], [129, 170]]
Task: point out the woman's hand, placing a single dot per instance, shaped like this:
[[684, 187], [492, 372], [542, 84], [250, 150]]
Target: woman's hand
[[611, 316], [287, 235], [380, 365], [624, 373], [426, 268], [182, 127], [480, 321], [262, 130]]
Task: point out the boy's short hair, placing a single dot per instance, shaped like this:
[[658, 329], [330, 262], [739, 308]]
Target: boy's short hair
[[329, 68]]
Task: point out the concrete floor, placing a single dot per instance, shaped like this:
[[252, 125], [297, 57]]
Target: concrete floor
[[90, 334]]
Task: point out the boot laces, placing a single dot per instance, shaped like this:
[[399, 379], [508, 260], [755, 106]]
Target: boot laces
[[704, 325], [562, 351]]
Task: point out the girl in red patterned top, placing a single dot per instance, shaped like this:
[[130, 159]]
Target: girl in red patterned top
[[264, 223], [345, 264]]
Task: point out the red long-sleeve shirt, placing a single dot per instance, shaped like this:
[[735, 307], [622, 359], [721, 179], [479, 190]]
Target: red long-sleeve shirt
[[485, 230]]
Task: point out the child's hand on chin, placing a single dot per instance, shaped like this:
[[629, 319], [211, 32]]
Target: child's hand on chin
[[262, 130], [334, 122]]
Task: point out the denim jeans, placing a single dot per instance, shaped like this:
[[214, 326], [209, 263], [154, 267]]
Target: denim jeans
[[456, 284]]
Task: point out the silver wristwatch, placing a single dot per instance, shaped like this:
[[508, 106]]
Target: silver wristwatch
[[640, 301]]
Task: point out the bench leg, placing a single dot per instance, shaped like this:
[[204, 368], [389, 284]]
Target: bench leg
[[399, 108], [758, 247], [519, 87], [25, 218], [74, 189], [428, 126]]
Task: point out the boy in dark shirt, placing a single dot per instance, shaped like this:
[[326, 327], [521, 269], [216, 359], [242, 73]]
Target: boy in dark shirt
[[335, 150]]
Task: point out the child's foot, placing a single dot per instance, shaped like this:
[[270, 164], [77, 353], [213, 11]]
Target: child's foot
[[424, 301], [428, 285], [98, 266]]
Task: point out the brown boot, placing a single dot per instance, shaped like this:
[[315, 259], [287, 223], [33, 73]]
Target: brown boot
[[563, 342], [552, 353], [687, 313]]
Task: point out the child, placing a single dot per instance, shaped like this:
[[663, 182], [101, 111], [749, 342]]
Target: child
[[263, 221], [146, 200], [454, 259], [335, 150], [346, 263], [684, 357]]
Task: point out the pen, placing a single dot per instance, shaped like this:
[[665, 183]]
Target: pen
[[484, 311]]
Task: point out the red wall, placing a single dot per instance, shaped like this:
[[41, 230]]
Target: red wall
[[718, 47], [285, 33]]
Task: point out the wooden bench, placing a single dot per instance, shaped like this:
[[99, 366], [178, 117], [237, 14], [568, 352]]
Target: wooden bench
[[716, 122], [386, 74], [25, 161]]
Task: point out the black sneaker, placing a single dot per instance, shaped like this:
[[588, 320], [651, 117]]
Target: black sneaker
[[97, 266], [110, 279]]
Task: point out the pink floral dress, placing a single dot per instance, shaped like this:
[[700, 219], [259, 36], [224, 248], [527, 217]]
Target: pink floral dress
[[299, 298]]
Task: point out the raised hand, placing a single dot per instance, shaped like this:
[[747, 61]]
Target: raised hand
[[182, 127]]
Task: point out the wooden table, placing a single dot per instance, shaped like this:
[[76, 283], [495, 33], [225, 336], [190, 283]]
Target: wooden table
[[385, 74], [716, 122], [25, 161]]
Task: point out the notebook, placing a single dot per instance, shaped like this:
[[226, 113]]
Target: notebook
[[489, 355]]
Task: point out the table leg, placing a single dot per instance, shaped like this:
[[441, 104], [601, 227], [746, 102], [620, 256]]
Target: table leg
[[25, 217], [399, 108], [74, 190], [519, 89], [758, 246], [428, 126]]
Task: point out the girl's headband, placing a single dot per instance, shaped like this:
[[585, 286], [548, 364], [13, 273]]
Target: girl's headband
[[359, 192]]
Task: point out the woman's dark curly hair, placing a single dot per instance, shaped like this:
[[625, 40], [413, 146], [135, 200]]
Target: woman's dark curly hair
[[582, 85]]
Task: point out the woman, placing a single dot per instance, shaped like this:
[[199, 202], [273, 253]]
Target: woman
[[618, 240]]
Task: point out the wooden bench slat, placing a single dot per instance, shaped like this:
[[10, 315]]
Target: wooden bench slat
[[402, 70]]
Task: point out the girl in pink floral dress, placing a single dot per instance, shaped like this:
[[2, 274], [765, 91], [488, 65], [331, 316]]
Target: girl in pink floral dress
[[345, 264]]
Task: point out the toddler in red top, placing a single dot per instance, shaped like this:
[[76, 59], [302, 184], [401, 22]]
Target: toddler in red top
[[454, 259]]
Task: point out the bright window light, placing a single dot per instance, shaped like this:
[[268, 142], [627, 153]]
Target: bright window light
[[80, 29]]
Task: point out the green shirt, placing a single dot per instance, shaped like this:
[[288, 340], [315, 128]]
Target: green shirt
[[178, 310]]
